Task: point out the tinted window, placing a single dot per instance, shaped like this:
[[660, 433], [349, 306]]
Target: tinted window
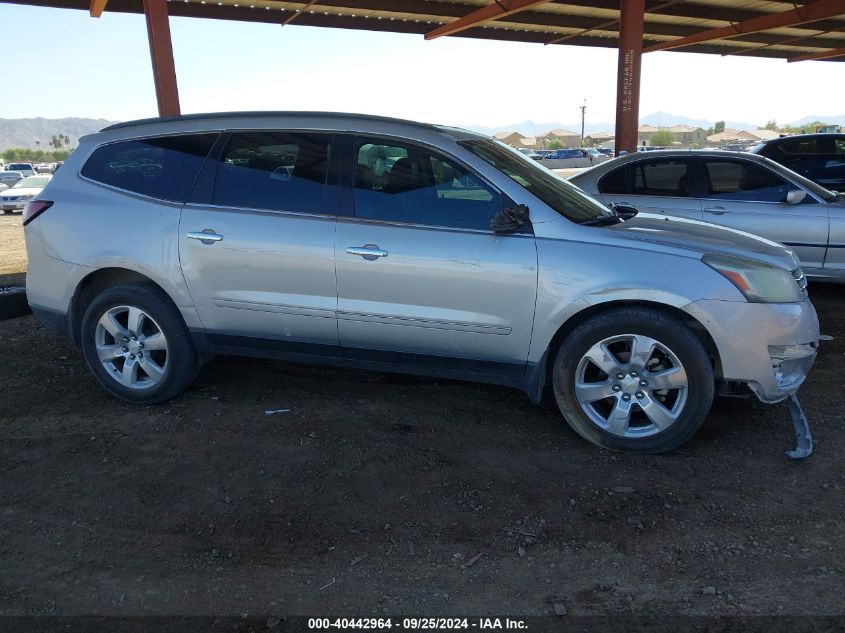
[[406, 183], [163, 167], [739, 180], [282, 171], [807, 145], [661, 178], [614, 182]]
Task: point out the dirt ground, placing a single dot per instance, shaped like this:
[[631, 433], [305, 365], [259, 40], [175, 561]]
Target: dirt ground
[[376, 494]]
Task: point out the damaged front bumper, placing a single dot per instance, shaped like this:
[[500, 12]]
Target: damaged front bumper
[[768, 346]]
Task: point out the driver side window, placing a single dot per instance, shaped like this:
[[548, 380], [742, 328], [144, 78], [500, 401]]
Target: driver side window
[[407, 183], [744, 181]]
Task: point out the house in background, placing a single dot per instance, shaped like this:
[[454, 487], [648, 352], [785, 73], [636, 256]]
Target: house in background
[[598, 138], [688, 135], [510, 138], [644, 134], [565, 137]]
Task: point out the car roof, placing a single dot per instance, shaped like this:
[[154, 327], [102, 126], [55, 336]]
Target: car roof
[[780, 139], [455, 132]]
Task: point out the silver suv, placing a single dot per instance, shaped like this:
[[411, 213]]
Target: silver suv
[[396, 246]]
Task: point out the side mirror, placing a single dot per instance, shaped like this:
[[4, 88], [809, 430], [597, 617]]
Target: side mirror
[[509, 220], [623, 210], [796, 196]]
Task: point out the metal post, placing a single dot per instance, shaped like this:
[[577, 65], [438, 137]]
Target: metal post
[[628, 80], [161, 55]]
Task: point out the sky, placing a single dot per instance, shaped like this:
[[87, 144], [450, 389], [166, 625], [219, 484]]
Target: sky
[[100, 68]]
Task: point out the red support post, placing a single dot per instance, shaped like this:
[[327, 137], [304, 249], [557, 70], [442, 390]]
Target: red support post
[[161, 55], [631, 18]]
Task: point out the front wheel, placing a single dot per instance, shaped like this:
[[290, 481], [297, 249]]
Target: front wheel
[[137, 345], [635, 379]]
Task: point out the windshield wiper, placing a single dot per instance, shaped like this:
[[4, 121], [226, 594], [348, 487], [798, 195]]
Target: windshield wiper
[[602, 220]]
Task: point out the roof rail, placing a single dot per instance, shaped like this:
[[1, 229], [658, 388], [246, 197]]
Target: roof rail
[[268, 113]]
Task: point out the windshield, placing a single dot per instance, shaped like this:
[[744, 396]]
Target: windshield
[[34, 182], [813, 187], [18, 166], [563, 197]]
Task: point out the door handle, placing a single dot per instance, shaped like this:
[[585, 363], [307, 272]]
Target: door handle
[[716, 210], [370, 252], [206, 236]]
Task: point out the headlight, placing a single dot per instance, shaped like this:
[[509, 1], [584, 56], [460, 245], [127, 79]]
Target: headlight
[[759, 282]]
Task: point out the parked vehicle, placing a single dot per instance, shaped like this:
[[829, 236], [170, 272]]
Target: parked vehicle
[[164, 242], [530, 153], [26, 169], [24, 190], [3, 187], [9, 178], [740, 191], [819, 157], [573, 158]]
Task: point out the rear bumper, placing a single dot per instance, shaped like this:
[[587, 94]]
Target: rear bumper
[[769, 346]]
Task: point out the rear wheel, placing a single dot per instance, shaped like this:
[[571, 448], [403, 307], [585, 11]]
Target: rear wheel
[[137, 345], [634, 379]]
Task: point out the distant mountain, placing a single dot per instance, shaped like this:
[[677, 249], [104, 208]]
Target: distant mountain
[[25, 132], [657, 119], [830, 120]]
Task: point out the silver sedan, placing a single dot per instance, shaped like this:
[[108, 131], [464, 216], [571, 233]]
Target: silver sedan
[[738, 190]]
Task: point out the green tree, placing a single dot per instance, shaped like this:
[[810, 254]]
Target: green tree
[[662, 138], [555, 144], [719, 127], [771, 125]]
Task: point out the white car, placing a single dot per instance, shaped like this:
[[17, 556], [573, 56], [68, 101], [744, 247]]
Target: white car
[[27, 169], [16, 197]]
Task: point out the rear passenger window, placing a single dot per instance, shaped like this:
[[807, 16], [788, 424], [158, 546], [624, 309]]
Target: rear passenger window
[[661, 178], [163, 167], [282, 171], [411, 184]]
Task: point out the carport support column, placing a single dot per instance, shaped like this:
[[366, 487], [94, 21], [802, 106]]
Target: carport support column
[[161, 55], [628, 80]]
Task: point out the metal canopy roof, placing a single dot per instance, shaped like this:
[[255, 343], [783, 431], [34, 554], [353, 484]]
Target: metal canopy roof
[[759, 28]]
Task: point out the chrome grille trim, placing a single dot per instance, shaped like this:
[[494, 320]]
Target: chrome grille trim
[[801, 280]]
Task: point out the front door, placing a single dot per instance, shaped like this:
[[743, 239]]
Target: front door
[[421, 278], [743, 195], [259, 260]]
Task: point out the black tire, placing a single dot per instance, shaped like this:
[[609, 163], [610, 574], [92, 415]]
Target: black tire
[[181, 365], [13, 302], [8, 211], [660, 326]]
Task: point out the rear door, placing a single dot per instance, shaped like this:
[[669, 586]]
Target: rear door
[[257, 243], [421, 278], [655, 185], [745, 195]]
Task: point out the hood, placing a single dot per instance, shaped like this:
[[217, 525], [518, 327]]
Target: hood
[[14, 192], [703, 238]]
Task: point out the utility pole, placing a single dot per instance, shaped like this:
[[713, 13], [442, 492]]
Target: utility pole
[[583, 109]]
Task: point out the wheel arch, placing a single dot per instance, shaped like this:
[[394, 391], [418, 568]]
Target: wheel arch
[[592, 310], [96, 282]]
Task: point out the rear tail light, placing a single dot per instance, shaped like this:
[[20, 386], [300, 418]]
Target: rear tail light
[[34, 208]]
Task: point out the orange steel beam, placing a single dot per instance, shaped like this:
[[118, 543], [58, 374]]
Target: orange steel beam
[[493, 11], [812, 12], [299, 12], [604, 25], [161, 55], [97, 7], [631, 19], [836, 52]]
